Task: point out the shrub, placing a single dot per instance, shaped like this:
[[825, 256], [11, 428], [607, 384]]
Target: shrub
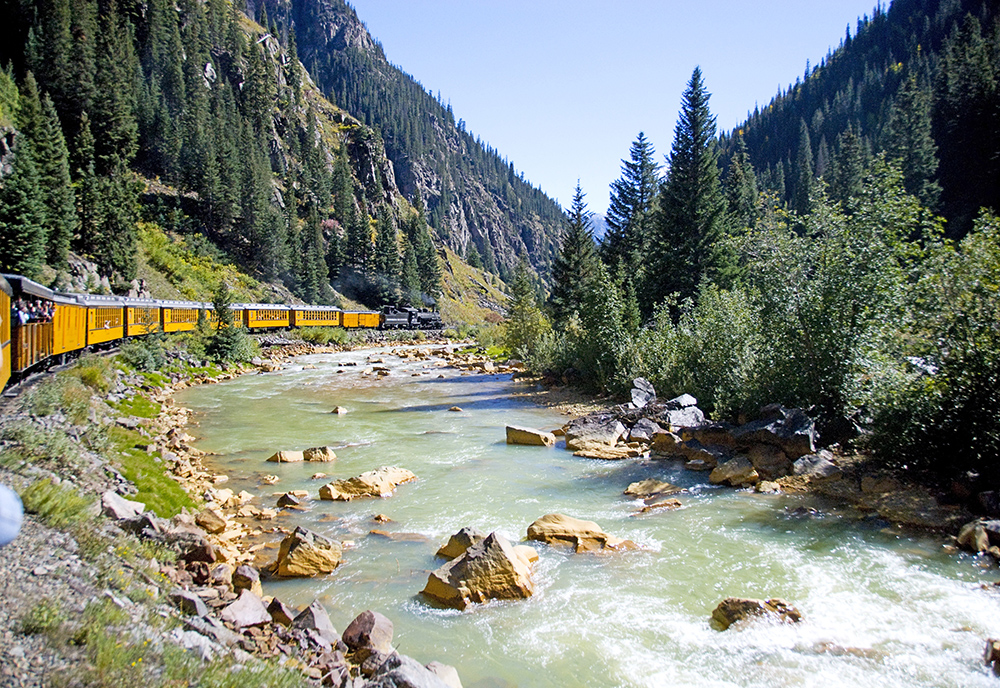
[[44, 617], [145, 353], [59, 506], [325, 335]]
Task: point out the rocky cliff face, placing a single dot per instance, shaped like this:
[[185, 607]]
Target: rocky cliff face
[[473, 197]]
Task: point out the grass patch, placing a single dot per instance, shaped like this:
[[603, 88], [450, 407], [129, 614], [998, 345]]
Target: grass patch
[[93, 372], [32, 444], [158, 491], [45, 616], [59, 506], [138, 406], [154, 379], [325, 335]]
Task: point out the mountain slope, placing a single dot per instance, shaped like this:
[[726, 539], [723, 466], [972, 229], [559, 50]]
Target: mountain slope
[[472, 194]]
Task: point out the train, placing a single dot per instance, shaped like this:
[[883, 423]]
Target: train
[[41, 327]]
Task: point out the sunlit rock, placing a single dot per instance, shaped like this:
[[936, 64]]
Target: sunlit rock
[[459, 542], [378, 483], [304, 553], [529, 436], [489, 570], [582, 536], [738, 472], [287, 456]]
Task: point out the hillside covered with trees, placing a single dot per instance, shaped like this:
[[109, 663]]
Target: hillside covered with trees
[[191, 117]]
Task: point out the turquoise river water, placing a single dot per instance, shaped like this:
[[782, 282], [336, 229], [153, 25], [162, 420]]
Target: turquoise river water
[[880, 608]]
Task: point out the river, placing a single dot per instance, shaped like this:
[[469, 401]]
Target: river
[[880, 608]]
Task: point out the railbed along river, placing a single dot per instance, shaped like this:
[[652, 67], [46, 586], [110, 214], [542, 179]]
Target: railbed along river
[[881, 608]]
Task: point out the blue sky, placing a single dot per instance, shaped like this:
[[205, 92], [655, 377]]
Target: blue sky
[[563, 87]]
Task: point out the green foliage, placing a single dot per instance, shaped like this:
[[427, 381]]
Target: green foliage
[[57, 505], [937, 408], [230, 343], [687, 244], [8, 98], [138, 406], [22, 217], [61, 392], [144, 353], [27, 442], [630, 212], [325, 335], [45, 616], [525, 322], [92, 371]]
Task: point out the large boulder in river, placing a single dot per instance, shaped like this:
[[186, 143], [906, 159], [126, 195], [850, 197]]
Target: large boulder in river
[[791, 430], [378, 483], [529, 436], [644, 430], [734, 609], [769, 461], [371, 631], [738, 472], [287, 456], [461, 541], [582, 536], [489, 570], [817, 467], [319, 454], [593, 431], [304, 553]]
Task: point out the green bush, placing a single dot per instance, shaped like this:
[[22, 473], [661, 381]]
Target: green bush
[[44, 617], [323, 336], [145, 353]]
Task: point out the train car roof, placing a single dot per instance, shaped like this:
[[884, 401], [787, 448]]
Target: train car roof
[[95, 300], [22, 285], [263, 306], [171, 303], [5, 286], [307, 307]]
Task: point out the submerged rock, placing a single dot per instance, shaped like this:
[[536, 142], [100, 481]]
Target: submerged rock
[[489, 570], [378, 483], [319, 454], [734, 609], [651, 487], [286, 456], [582, 536]]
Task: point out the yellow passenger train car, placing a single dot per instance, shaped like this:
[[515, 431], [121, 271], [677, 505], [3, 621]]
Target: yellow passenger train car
[[258, 316], [5, 314], [181, 316], [316, 316], [105, 318], [142, 316], [44, 324]]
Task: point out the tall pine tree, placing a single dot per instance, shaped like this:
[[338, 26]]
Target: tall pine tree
[[576, 263], [630, 212], [691, 221]]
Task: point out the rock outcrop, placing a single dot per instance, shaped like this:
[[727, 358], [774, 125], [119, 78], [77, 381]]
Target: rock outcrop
[[593, 432], [489, 570], [582, 536], [378, 483], [459, 542]]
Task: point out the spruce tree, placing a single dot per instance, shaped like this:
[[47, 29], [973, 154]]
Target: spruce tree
[[741, 188], [22, 230], [386, 257], [575, 264], [55, 185], [910, 141], [113, 113], [803, 172], [525, 322], [410, 277], [691, 219], [847, 168], [630, 213]]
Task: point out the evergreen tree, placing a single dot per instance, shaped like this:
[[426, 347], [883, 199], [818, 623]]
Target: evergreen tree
[[386, 258], [22, 230], [472, 256], [741, 188], [847, 168], [410, 277], [55, 183], [575, 265], [115, 124], [690, 223], [803, 173], [910, 141], [630, 213], [358, 244], [525, 322], [428, 265]]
